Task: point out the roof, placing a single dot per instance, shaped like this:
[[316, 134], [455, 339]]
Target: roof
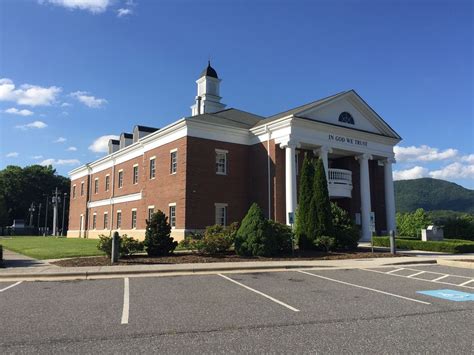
[[126, 135], [230, 117], [146, 129], [209, 71], [298, 109]]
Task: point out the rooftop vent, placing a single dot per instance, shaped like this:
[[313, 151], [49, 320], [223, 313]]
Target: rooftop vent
[[125, 140], [142, 131], [114, 145]]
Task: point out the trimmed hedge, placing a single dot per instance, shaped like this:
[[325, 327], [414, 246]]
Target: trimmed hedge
[[448, 246]]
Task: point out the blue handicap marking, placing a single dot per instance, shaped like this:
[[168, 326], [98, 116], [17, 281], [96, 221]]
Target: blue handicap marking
[[451, 295]]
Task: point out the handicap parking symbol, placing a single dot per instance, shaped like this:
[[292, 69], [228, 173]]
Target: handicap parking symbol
[[451, 295]]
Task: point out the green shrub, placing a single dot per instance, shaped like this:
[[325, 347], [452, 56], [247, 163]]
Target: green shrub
[[461, 227], [451, 246], [217, 239], [190, 242], [411, 224], [128, 246], [325, 242], [345, 233], [1, 254], [305, 219], [320, 204], [283, 236], [158, 241], [254, 236]]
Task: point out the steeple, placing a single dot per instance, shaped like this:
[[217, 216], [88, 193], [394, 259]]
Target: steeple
[[207, 99]]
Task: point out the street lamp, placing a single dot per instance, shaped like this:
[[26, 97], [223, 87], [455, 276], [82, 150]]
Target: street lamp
[[64, 211], [31, 210]]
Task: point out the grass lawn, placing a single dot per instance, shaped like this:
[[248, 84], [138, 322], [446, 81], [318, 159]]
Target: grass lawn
[[51, 247]]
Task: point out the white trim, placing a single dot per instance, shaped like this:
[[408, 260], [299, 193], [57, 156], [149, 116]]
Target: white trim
[[225, 151], [173, 150], [218, 204], [115, 200], [153, 157], [134, 165], [151, 207], [172, 204], [133, 209]]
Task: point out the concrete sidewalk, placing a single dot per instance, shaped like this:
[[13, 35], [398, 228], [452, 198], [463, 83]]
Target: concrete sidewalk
[[16, 260]]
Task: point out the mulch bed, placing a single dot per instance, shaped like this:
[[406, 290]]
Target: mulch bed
[[185, 258]]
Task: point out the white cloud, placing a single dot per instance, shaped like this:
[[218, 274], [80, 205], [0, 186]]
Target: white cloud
[[65, 104], [71, 149], [30, 95], [37, 157], [93, 6], [454, 171], [15, 111], [12, 155], [413, 173], [52, 161], [60, 140], [88, 100], [468, 158], [124, 12], [101, 144], [423, 153], [35, 124]]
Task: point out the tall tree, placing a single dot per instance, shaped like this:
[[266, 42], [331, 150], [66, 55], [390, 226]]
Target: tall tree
[[320, 204], [304, 217]]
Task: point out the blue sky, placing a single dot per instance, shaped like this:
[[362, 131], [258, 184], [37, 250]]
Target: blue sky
[[72, 71]]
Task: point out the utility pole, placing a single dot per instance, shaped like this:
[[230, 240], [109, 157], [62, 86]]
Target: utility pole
[[31, 210], [46, 217], [64, 211], [55, 201], [39, 220]]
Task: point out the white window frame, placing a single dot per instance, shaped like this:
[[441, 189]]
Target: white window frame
[[74, 191], [135, 176], [172, 218], [152, 176], [96, 185], [148, 211], [173, 165], [107, 182], [134, 221], [120, 178], [106, 225], [94, 221], [82, 188], [218, 207], [119, 225], [217, 153]]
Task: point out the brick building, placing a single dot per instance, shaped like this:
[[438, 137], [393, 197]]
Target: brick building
[[208, 168]]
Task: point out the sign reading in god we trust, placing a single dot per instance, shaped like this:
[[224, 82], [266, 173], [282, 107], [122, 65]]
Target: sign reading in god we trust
[[347, 140]]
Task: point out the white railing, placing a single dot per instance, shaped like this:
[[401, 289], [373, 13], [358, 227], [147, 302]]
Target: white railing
[[340, 176]]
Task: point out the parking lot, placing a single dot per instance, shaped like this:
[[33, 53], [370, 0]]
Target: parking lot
[[355, 310]]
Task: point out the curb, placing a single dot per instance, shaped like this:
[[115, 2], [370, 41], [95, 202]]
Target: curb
[[456, 263]]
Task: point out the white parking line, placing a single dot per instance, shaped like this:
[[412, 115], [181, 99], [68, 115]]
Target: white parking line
[[416, 274], [363, 287], [126, 300], [467, 282], [15, 284], [261, 293], [440, 278], [417, 278], [395, 271]]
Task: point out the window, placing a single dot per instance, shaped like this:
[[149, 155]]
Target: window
[[119, 219], [173, 215], [94, 221], [96, 185], [82, 188], [152, 168], [346, 117], [73, 191], [174, 162], [221, 162], [134, 219], [221, 214], [135, 174], [296, 163], [120, 179], [107, 182], [151, 210], [106, 220]]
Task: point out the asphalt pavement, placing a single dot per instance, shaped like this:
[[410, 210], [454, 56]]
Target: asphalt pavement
[[375, 310]]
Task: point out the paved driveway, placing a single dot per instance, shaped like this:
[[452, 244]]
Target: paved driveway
[[376, 310]]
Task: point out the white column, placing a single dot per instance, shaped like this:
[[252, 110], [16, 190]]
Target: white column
[[290, 178], [389, 195], [323, 154], [365, 206]]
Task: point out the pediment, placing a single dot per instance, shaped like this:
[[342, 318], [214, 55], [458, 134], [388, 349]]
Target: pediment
[[364, 118]]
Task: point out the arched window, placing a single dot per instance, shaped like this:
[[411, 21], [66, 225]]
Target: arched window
[[346, 117]]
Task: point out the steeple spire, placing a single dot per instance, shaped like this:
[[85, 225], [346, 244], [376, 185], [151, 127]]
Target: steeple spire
[[207, 99]]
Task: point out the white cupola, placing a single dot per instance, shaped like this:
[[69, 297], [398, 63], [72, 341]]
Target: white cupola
[[207, 99]]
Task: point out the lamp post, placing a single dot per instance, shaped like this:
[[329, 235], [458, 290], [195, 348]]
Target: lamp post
[[31, 210], [64, 211], [46, 216], [39, 216]]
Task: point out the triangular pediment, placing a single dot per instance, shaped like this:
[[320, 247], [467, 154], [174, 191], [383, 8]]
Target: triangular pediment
[[364, 117]]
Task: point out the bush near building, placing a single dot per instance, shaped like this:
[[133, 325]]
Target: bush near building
[[320, 203], [448, 246], [217, 239], [128, 245], [304, 217], [158, 240], [345, 232]]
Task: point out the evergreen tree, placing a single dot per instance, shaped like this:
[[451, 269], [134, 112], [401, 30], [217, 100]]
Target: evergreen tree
[[158, 241], [320, 204], [304, 217]]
